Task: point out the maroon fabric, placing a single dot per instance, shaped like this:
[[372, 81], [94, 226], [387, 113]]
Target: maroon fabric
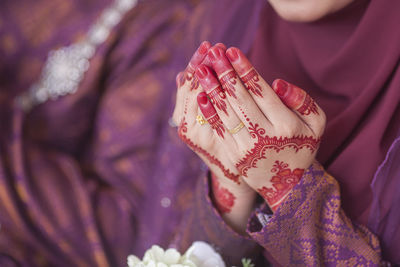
[[349, 63]]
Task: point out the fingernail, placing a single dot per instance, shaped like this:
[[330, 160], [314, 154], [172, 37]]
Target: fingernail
[[280, 87], [204, 47], [202, 72], [232, 54], [215, 53], [202, 99], [221, 45]]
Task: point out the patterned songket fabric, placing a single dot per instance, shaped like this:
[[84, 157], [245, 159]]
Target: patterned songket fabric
[[311, 229]]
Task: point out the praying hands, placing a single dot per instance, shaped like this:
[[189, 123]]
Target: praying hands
[[254, 138]]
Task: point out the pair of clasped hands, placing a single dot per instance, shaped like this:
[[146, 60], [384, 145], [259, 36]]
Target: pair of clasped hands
[[255, 138]]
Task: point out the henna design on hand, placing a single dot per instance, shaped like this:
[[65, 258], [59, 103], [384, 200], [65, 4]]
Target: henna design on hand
[[228, 81], [244, 114], [251, 80], [283, 181], [265, 142], [222, 67], [191, 78], [212, 87], [196, 59], [216, 124], [182, 130], [210, 114], [224, 199], [218, 97], [295, 97], [308, 106]]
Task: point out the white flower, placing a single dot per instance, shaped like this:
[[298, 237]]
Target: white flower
[[157, 257], [203, 255], [200, 254], [134, 261], [157, 254]]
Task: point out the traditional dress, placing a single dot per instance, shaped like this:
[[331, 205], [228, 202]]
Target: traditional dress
[[96, 175]]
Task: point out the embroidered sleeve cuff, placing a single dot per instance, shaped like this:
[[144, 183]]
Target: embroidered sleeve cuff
[[310, 229]]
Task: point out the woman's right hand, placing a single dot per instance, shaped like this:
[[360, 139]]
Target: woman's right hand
[[232, 196]]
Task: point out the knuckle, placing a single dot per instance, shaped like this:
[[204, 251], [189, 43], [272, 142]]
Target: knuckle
[[290, 128], [175, 120], [320, 123]]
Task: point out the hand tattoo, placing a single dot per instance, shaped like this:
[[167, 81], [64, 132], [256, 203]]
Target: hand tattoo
[[224, 199], [308, 106], [251, 80], [283, 181], [265, 142], [182, 130], [228, 82]]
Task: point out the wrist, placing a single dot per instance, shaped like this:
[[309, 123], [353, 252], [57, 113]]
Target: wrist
[[240, 191], [276, 185], [234, 202]]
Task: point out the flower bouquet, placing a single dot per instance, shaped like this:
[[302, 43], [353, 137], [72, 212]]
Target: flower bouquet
[[200, 254]]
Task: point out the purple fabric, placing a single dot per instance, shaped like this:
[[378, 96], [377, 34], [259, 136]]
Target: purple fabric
[[385, 213], [355, 81], [97, 175], [313, 230]]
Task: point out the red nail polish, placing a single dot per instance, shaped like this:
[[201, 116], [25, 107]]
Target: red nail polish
[[215, 53], [221, 45], [202, 99], [232, 54], [280, 87], [201, 72], [204, 47], [211, 55]]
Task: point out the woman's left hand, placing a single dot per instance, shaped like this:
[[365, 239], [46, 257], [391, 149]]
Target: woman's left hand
[[275, 131]]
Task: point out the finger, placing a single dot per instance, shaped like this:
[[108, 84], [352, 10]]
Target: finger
[[196, 59], [215, 123], [199, 55], [210, 114], [221, 45], [223, 108], [206, 134], [301, 103], [266, 99], [191, 84], [207, 60], [178, 110], [239, 98]]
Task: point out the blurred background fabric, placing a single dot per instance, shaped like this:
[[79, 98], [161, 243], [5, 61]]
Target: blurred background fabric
[[94, 176]]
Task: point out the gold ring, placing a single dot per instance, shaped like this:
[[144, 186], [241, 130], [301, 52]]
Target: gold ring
[[237, 128], [201, 120]]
